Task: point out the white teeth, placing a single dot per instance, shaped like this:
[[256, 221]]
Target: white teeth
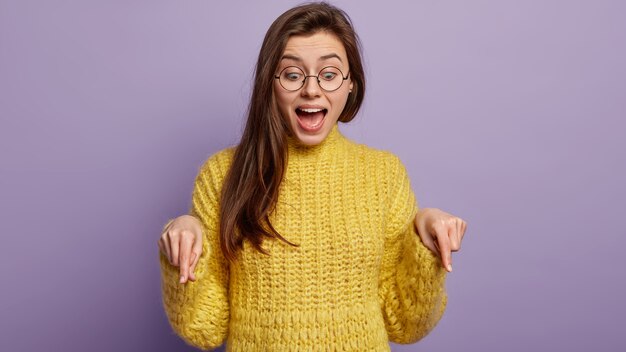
[[311, 110]]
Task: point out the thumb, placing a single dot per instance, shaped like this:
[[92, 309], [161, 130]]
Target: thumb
[[192, 266], [426, 238], [196, 251]]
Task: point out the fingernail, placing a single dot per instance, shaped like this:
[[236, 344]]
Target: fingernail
[[450, 267], [182, 279]]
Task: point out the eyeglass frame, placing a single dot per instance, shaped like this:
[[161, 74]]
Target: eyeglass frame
[[316, 76]]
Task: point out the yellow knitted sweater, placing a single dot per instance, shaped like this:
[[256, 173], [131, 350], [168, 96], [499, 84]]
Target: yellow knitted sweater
[[360, 278]]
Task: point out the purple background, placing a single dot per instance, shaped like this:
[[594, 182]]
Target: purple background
[[509, 114]]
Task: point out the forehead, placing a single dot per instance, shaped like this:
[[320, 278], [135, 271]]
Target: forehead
[[312, 47]]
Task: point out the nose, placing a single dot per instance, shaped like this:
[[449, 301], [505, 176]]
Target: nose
[[311, 87]]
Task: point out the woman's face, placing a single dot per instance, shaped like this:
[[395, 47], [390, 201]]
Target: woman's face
[[311, 111]]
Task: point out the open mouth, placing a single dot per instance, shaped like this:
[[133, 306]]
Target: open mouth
[[311, 119]]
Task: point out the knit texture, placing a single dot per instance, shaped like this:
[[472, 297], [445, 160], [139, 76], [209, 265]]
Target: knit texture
[[360, 278]]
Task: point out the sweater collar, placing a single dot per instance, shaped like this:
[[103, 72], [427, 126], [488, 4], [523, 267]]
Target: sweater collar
[[332, 140]]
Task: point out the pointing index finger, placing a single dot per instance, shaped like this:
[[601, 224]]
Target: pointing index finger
[[185, 253], [443, 242]]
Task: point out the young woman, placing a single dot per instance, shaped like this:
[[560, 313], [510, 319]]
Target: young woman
[[306, 239]]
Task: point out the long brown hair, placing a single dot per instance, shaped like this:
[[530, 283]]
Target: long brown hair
[[250, 189]]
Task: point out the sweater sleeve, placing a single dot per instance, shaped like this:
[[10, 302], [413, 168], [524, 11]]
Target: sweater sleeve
[[411, 285], [199, 311]]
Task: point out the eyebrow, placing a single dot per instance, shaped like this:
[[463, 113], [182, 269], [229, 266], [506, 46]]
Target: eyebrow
[[322, 58]]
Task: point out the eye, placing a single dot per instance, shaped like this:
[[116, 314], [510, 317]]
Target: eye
[[328, 75], [292, 75]]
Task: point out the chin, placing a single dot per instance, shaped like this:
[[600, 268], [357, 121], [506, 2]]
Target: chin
[[311, 140]]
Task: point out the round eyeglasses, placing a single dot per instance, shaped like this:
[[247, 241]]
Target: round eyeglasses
[[292, 78]]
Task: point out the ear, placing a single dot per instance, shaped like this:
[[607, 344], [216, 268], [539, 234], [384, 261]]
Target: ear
[[351, 85]]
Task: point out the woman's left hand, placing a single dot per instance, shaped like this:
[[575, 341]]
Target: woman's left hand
[[441, 232]]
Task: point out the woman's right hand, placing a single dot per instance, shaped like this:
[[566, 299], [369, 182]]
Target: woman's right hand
[[181, 243]]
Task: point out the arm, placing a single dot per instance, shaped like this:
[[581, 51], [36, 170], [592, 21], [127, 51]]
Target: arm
[[411, 286], [198, 311]]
